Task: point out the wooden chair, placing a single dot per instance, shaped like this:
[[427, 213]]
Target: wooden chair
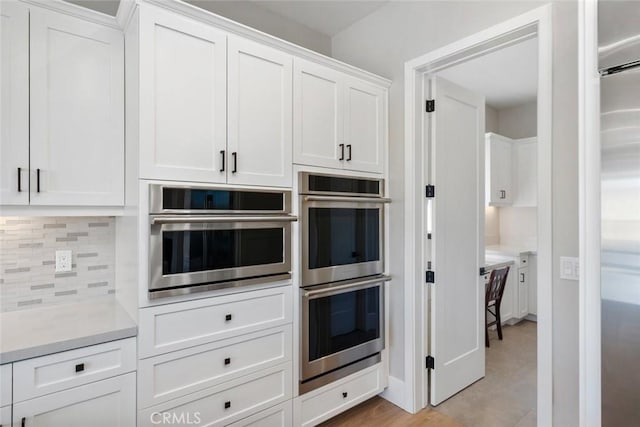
[[493, 299]]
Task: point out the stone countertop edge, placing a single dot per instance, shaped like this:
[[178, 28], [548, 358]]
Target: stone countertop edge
[[101, 322]]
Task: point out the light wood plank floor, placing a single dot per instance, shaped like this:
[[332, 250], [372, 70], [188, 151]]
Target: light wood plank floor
[[506, 397]]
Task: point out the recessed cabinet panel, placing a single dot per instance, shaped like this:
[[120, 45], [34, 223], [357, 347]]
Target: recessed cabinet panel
[[364, 127], [523, 292], [77, 120], [498, 170], [259, 109], [182, 98], [14, 140], [318, 118]]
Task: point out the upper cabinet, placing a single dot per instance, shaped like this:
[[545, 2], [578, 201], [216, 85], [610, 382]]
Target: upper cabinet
[[498, 169], [339, 121], [62, 110], [183, 97]]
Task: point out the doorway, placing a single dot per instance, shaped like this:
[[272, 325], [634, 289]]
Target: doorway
[[458, 362]]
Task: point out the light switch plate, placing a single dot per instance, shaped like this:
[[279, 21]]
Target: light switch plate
[[63, 261], [569, 268]]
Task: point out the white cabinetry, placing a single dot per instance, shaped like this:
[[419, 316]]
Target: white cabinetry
[[183, 96], [259, 114], [533, 285], [63, 115], [498, 170], [523, 292], [525, 155], [277, 416], [6, 378], [5, 416], [339, 121]]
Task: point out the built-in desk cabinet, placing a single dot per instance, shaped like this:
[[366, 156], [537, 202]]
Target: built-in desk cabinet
[[62, 109]]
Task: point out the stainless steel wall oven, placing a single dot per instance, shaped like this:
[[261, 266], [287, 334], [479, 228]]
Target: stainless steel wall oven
[[205, 238]]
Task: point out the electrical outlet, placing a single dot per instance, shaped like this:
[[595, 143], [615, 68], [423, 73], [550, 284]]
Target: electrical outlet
[[569, 268], [63, 261]]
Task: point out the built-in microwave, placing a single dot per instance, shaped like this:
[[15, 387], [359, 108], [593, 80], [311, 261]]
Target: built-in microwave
[[205, 238], [342, 227]]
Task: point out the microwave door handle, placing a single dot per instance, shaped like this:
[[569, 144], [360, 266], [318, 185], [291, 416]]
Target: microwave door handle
[[346, 199], [218, 219], [360, 284]]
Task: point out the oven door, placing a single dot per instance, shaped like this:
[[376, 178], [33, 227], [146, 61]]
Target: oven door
[[341, 324], [342, 238], [196, 250]]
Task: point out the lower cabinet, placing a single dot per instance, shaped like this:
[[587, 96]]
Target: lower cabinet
[[5, 416], [319, 405], [277, 416], [523, 292], [106, 403]]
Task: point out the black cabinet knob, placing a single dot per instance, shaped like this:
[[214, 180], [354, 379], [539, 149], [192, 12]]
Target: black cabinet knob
[[227, 318], [227, 405], [227, 361], [80, 367], [344, 394]]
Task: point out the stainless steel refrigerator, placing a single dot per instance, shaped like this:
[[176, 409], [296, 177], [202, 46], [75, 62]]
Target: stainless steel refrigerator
[[619, 63]]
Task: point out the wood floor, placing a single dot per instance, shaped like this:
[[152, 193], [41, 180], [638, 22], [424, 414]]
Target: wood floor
[[506, 397]]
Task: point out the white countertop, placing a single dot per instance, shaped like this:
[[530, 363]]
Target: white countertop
[[508, 250], [39, 331]]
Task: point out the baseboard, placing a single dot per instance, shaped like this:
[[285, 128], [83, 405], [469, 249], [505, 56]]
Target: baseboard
[[531, 317], [395, 393]]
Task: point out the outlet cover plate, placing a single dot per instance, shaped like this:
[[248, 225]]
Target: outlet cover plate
[[63, 261], [569, 268]]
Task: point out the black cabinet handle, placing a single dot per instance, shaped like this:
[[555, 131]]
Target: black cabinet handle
[[19, 189], [349, 148], [227, 318], [341, 151], [521, 277], [227, 404], [80, 367], [235, 162], [344, 394], [24, 421], [227, 361], [38, 180], [222, 155]]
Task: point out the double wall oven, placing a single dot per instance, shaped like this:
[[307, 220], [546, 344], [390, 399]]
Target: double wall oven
[[342, 265], [206, 238]]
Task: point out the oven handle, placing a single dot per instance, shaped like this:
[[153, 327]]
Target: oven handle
[[356, 285], [346, 199], [218, 219]]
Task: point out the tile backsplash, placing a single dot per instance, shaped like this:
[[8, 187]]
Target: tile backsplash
[[27, 260]]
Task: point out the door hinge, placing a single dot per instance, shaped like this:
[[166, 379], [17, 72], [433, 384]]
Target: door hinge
[[431, 276], [431, 363], [431, 105], [430, 191]]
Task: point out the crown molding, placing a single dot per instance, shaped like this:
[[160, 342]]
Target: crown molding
[[76, 11]]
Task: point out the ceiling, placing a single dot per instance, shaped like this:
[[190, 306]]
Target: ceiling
[[506, 77], [328, 17]]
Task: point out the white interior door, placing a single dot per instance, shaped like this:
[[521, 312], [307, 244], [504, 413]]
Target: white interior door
[[456, 168]]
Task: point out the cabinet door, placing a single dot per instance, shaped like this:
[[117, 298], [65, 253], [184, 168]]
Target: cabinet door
[[507, 306], [533, 284], [499, 170], [318, 124], [183, 98], [259, 109], [523, 292], [14, 141], [77, 111], [364, 126], [525, 164], [106, 403]]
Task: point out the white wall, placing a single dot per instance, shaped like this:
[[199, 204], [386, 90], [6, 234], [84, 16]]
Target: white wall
[[491, 225], [251, 14], [518, 227], [519, 121], [400, 31], [490, 119]]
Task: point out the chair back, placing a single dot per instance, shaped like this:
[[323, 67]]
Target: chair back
[[497, 283]]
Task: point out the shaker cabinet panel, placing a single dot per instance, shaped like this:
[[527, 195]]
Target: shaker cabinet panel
[[14, 138], [498, 170], [259, 114], [77, 111], [183, 97], [318, 121]]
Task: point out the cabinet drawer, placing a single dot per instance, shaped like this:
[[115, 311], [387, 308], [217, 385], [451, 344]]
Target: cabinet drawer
[[60, 371], [5, 384], [178, 326], [5, 416], [228, 402], [317, 407], [176, 374], [278, 416], [524, 260]]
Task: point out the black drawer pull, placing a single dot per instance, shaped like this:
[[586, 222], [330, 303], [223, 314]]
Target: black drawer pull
[[227, 361], [222, 152], [227, 405], [341, 151], [80, 367], [227, 318], [344, 394], [235, 162], [38, 180], [19, 185], [23, 422], [349, 149]]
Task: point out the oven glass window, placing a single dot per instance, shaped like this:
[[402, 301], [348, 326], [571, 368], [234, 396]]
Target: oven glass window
[[201, 250], [225, 200], [342, 321], [336, 184], [340, 236]]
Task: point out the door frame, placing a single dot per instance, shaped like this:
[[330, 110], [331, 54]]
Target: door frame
[[535, 23]]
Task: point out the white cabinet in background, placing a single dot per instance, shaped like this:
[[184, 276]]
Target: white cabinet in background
[[106, 403], [183, 97], [63, 113], [523, 292], [259, 114], [6, 378], [525, 155], [14, 137], [498, 170], [339, 121], [533, 285], [5, 416], [277, 416]]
